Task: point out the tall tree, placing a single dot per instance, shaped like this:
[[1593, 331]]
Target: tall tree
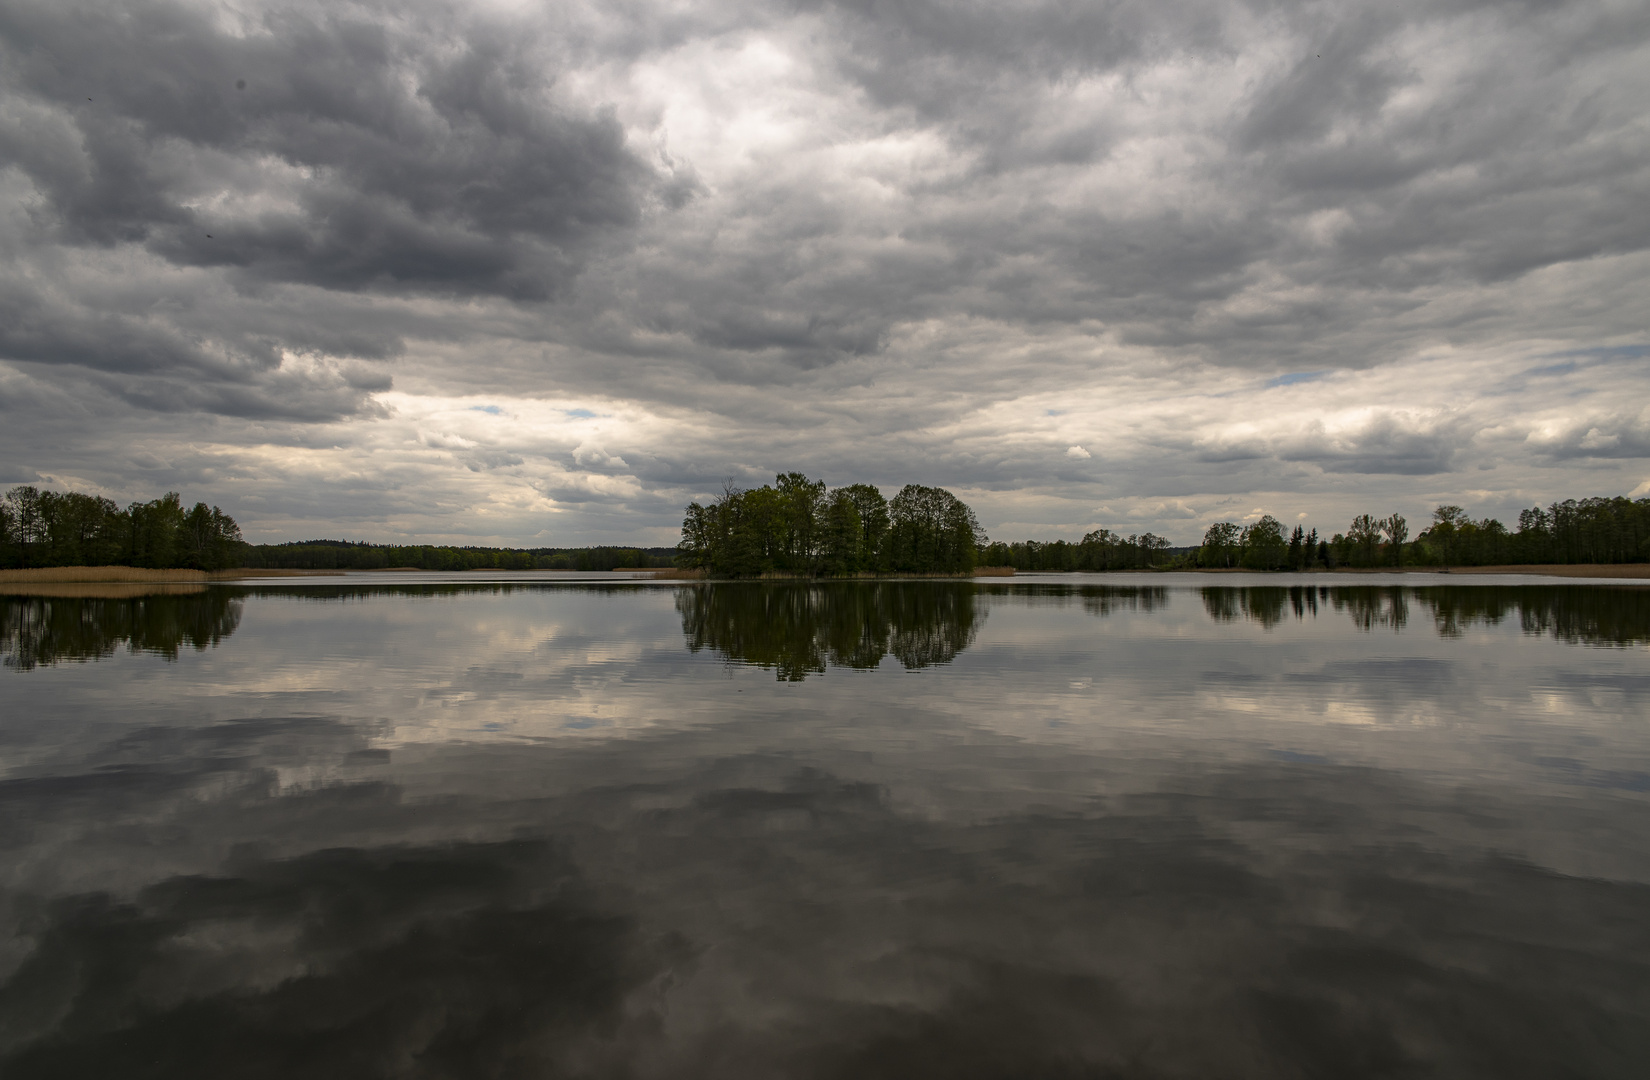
[[1397, 531], [874, 522], [1365, 535], [1264, 547], [1446, 522], [23, 502], [1220, 545], [799, 502]]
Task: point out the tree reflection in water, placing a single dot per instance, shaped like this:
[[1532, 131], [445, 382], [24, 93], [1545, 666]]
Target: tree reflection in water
[[36, 630], [1577, 614], [798, 629]]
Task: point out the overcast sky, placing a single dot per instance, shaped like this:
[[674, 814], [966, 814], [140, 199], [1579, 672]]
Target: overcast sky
[[542, 273]]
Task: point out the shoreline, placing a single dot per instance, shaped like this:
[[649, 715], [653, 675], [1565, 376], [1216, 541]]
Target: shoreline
[[135, 575]]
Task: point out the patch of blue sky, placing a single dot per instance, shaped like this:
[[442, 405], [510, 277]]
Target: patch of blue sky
[[580, 414], [1553, 369], [491, 410], [1298, 377], [1604, 352]]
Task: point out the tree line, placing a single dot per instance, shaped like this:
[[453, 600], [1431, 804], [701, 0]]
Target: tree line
[[1595, 530], [347, 555], [51, 528], [1099, 550], [800, 526]]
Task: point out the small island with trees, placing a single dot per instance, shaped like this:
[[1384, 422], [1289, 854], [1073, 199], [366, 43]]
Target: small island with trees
[[799, 527]]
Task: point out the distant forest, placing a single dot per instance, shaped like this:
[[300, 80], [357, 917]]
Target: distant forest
[[49, 528], [798, 526], [1596, 530], [344, 555]]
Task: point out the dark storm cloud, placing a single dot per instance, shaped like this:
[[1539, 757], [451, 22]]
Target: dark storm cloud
[[1315, 132], [350, 149]]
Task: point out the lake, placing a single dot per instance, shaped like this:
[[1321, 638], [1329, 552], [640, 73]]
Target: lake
[[1076, 826]]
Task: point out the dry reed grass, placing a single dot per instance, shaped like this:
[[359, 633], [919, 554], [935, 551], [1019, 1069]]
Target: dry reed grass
[[111, 574], [41, 574]]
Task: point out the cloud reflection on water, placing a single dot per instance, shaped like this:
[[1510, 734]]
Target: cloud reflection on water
[[983, 871]]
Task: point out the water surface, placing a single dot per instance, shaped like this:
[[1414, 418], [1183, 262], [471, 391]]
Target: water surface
[[1107, 826]]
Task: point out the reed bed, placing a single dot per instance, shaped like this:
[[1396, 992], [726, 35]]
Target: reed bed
[[140, 574]]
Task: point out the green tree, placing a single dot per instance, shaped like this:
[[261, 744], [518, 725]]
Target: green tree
[[798, 503], [840, 535], [874, 523], [1264, 547], [25, 523], [1446, 522], [1221, 545], [1397, 531], [932, 531], [1365, 536], [154, 531], [209, 538]]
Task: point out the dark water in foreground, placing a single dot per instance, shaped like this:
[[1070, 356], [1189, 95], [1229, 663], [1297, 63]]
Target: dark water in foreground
[[1130, 828]]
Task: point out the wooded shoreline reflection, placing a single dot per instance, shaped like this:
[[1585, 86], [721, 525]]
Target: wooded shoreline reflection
[[798, 629], [1578, 615], [37, 630]]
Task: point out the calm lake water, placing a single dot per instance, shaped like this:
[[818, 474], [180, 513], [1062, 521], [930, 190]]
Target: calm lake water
[[1115, 826]]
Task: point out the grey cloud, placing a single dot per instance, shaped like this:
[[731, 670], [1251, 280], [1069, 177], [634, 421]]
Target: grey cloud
[[368, 151], [1386, 444], [1339, 81], [167, 365], [943, 59], [1596, 437]]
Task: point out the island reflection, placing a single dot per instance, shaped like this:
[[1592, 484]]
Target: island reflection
[[796, 630]]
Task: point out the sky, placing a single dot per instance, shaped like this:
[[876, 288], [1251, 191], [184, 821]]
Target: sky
[[541, 274]]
